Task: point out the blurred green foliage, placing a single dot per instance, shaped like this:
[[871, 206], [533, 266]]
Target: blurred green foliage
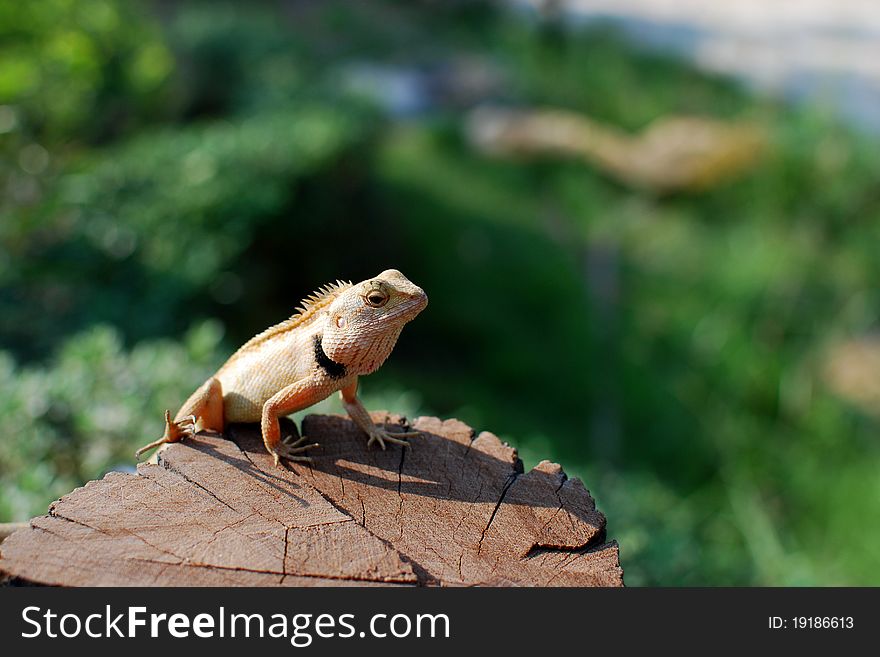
[[211, 163], [138, 234], [74, 417], [80, 68]]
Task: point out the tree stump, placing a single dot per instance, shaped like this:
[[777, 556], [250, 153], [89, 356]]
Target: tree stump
[[455, 509]]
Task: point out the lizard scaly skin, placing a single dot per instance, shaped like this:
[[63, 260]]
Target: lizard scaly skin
[[340, 333]]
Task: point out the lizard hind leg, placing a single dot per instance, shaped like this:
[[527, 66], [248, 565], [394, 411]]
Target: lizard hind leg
[[203, 410], [174, 432]]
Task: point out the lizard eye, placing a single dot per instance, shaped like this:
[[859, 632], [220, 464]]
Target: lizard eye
[[376, 298]]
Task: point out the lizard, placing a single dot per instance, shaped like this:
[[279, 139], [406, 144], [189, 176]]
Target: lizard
[[339, 333]]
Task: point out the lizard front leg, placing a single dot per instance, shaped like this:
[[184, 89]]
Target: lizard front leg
[[361, 417], [294, 397]]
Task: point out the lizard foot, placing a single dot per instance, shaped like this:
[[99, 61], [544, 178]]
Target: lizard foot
[[292, 450], [174, 432], [378, 435]]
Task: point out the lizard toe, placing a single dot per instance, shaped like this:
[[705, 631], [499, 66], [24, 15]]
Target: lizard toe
[[293, 451], [382, 436], [174, 433]]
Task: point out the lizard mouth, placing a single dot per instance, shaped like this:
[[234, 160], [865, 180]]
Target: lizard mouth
[[411, 307]]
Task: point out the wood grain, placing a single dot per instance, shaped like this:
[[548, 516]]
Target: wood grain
[[454, 510]]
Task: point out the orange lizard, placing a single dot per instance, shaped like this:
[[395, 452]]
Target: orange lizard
[[341, 332]]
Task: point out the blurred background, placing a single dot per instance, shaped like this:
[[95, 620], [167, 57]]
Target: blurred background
[[649, 232]]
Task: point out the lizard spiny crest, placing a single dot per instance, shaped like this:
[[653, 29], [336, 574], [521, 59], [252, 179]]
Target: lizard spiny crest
[[324, 295], [306, 311]]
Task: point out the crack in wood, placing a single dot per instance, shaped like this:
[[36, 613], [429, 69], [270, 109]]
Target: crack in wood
[[511, 478], [266, 571], [170, 467]]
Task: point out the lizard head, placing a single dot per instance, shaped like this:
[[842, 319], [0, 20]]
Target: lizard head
[[366, 319]]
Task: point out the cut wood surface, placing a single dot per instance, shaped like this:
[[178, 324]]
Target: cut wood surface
[[454, 510]]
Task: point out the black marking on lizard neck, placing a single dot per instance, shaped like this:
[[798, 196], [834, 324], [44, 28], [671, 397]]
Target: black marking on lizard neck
[[333, 369]]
